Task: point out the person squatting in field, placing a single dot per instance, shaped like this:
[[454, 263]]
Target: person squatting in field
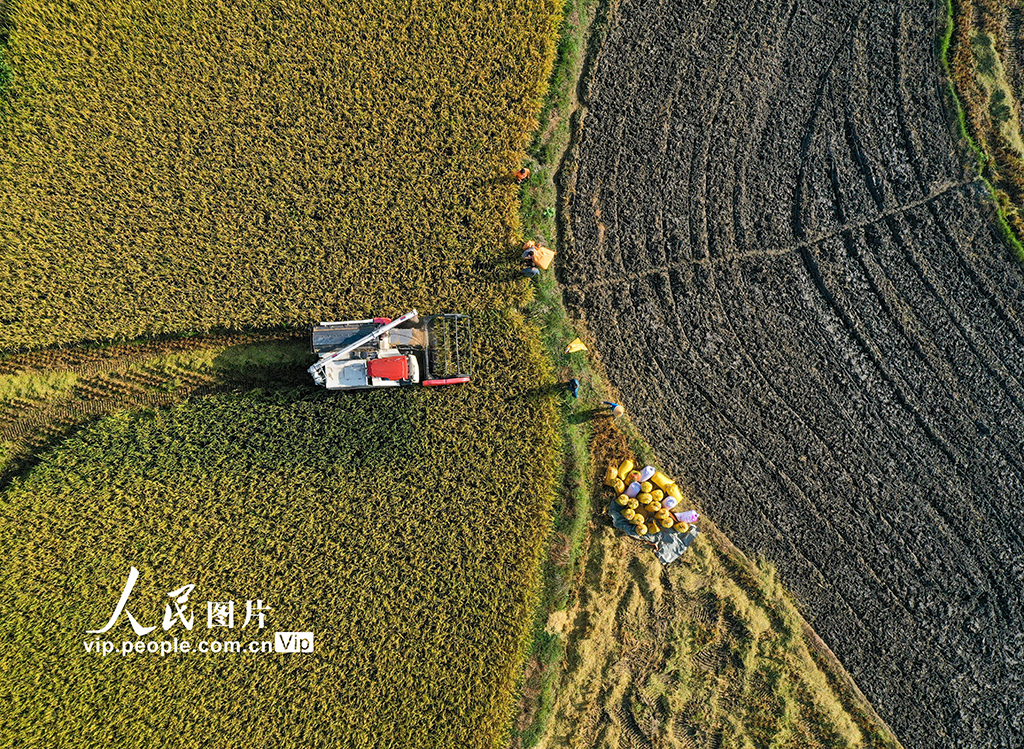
[[535, 258]]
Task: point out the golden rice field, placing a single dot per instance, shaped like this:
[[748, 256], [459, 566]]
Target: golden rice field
[[172, 165], [401, 528]]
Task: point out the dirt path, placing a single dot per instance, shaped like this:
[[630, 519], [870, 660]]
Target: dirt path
[[795, 285]]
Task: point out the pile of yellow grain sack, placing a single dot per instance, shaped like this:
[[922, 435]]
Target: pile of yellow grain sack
[[648, 499]]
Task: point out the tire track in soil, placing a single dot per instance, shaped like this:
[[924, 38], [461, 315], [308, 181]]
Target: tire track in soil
[[913, 408], [817, 563], [802, 492], [596, 282], [830, 454], [800, 296]]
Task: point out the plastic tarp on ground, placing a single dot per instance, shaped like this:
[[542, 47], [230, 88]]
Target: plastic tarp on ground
[[668, 545]]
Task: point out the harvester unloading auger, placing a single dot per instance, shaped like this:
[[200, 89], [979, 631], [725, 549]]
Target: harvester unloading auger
[[380, 352]]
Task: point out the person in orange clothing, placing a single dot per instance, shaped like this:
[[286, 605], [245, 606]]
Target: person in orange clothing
[[522, 175], [537, 255]]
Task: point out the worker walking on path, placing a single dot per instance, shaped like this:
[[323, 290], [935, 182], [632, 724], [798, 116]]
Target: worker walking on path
[[522, 175]]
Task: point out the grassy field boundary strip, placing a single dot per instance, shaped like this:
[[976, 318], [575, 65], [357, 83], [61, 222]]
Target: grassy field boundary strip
[[582, 22], [987, 165]]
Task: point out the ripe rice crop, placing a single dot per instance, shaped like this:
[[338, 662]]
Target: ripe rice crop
[[174, 166], [401, 528]]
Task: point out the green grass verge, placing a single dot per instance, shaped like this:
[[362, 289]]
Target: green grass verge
[[984, 161], [583, 22]]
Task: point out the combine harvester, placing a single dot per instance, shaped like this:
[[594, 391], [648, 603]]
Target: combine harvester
[[381, 352]]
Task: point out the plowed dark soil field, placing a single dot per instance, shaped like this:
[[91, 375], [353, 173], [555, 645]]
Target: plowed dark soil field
[[795, 284]]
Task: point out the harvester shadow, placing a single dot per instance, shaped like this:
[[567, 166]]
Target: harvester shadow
[[270, 366]]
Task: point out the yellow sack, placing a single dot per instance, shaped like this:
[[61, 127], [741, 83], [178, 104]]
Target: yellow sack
[[624, 468], [610, 475], [660, 480], [673, 491]]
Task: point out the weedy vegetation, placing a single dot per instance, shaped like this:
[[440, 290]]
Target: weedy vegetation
[[984, 58]]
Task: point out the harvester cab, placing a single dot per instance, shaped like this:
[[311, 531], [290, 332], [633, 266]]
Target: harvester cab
[[380, 352]]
